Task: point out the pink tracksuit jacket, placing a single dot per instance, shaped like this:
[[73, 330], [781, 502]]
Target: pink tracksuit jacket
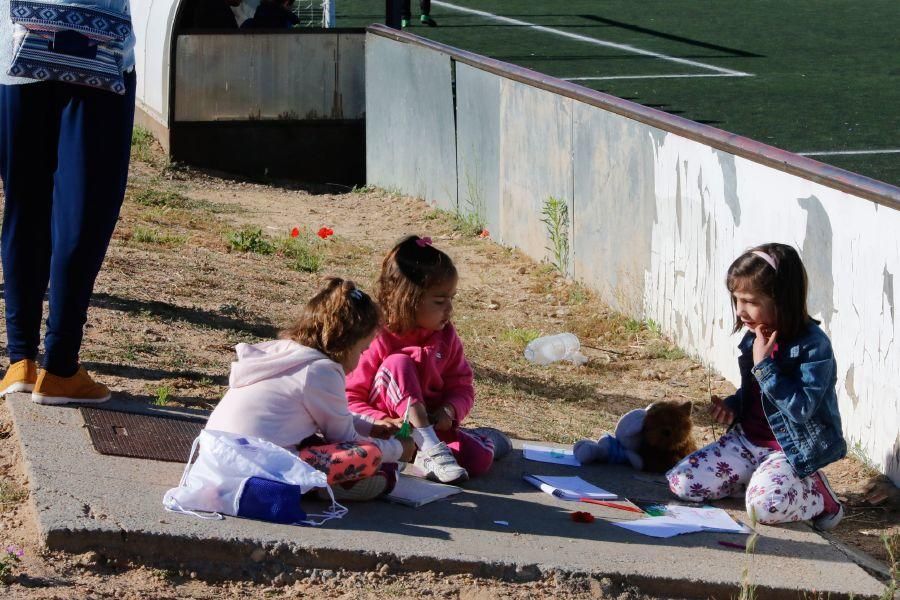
[[444, 374]]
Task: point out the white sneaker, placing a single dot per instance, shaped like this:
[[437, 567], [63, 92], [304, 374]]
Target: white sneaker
[[438, 463]]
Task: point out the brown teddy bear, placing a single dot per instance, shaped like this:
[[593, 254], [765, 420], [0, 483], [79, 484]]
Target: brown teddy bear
[[649, 439]]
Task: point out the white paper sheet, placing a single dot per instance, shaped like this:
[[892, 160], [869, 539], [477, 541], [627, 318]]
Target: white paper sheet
[[685, 519], [547, 454], [659, 527], [707, 517]]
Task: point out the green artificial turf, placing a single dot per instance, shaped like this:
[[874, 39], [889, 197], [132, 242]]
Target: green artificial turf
[[825, 73]]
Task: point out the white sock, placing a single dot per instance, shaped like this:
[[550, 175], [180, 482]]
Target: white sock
[[425, 437]]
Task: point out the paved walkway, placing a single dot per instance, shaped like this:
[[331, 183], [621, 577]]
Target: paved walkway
[[86, 501]]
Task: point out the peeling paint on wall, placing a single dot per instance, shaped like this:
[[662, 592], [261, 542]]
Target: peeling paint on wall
[[817, 258], [729, 190], [888, 288], [848, 386], [678, 196]]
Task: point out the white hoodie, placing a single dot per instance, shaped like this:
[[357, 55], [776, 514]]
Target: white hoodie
[[285, 392]]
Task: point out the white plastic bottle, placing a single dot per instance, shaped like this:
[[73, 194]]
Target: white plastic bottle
[[551, 348]]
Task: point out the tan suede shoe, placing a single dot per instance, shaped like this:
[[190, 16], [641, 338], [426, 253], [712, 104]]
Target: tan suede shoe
[[77, 389], [20, 377]]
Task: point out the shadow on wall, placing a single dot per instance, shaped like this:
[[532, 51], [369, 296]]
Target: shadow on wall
[[892, 462]]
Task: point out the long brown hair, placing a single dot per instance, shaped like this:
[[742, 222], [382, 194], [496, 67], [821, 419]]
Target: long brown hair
[[335, 319], [785, 284], [411, 267]]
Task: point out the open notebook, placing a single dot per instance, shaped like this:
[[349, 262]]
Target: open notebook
[[568, 488], [415, 491]]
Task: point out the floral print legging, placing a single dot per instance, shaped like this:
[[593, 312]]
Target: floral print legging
[[733, 466], [344, 461]]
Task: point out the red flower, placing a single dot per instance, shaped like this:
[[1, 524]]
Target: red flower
[[484, 234], [325, 233], [579, 516], [295, 232]]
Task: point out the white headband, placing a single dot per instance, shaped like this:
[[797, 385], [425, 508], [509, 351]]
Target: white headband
[[766, 257]]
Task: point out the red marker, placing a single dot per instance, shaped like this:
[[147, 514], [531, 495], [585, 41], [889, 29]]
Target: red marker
[[619, 506]]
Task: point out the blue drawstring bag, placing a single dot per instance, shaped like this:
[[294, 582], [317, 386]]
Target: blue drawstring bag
[[269, 500]]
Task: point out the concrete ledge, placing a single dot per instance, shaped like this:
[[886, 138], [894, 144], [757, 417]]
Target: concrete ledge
[[86, 501]]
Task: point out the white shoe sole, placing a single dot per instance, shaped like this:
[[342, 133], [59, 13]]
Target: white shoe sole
[[57, 400], [460, 479], [17, 387], [464, 476]]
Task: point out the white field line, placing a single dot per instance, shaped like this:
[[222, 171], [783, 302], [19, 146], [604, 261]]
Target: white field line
[[668, 76], [590, 40], [850, 152]]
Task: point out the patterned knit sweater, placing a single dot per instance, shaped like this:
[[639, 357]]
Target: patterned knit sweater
[[6, 46]]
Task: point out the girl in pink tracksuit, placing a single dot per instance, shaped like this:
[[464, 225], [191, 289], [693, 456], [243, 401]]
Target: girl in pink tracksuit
[[416, 369]]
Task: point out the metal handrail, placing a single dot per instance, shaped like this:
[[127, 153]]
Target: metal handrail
[[782, 160]]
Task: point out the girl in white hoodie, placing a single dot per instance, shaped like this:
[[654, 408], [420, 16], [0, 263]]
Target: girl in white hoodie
[[291, 392]]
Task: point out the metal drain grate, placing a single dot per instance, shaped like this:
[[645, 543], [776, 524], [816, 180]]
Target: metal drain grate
[[141, 436]]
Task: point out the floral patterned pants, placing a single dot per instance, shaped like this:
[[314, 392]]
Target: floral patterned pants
[[733, 466], [343, 461]]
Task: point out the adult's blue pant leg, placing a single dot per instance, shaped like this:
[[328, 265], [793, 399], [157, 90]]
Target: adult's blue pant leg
[[29, 129], [89, 186]]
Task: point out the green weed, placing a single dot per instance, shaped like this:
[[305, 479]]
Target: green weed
[[892, 545], [468, 224], [9, 558], [163, 394], [748, 590], [250, 239], [304, 251], [520, 336], [164, 574], [556, 218], [133, 349], [666, 352], [860, 454], [653, 327], [154, 198], [142, 144], [633, 325], [146, 235], [472, 220], [669, 353], [579, 294], [10, 493], [363, 189]]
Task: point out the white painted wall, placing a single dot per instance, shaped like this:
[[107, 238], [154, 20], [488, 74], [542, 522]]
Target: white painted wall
[[153, 21]]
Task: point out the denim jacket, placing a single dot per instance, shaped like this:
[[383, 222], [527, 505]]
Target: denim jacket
[[97, 19], [799, 398]]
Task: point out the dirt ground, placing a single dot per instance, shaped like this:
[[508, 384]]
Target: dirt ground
[[200, 263]]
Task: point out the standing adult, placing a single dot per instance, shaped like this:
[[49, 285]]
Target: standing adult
[[424, 14], [65, 139]]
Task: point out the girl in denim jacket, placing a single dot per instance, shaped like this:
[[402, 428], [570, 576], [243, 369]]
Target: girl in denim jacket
[[784, 420]]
